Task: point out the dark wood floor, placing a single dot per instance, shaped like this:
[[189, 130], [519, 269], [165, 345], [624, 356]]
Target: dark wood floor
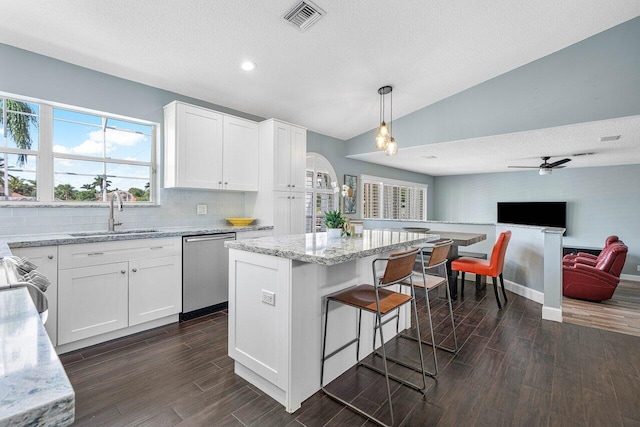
[[513, 369]]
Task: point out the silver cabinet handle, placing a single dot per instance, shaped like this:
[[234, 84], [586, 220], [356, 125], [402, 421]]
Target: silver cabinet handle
[[95, 253], [50, 256], [226, 183], [288, 197], [156, 247], [288, 185], [294, 197], [219, 182], [293, 185], [211, 237], [134, 270], [123, 271]]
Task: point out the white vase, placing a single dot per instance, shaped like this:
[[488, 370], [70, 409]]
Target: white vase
[[334, 233]]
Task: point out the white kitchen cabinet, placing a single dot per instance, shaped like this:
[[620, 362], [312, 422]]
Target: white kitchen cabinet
[[290, 151], [153, 293], [289, 213], [46, 258], [92, 301], [280, 200], [108, 286], [253, 234], [210, 150]]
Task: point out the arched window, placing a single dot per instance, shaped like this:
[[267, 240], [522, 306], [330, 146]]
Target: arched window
[[320, 194]]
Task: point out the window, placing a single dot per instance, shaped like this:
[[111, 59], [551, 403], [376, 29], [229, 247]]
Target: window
[[81, 156], [19, 149], [390, 199], [320, 195]]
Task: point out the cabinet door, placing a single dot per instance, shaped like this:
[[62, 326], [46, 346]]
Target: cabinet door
[[282, 157], [282, 213], [155, 289], [297, 213], [240, 155], [91, 301], [298, 158], [199, 148], [46, 258]]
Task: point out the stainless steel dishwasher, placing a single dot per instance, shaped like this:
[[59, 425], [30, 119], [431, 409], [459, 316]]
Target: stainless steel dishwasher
[[205, 274]]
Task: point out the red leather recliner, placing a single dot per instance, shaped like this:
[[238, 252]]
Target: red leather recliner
[[590, 259], [595, 282]]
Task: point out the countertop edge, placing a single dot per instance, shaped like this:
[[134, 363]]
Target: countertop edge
[[36, 240], [315, 259]]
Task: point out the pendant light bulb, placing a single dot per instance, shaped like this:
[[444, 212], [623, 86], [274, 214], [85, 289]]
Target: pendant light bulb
[[381, 142], [392, 147], [384, 129]]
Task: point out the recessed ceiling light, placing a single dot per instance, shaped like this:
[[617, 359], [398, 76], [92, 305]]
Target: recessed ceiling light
[[429, 157], [248, 65]]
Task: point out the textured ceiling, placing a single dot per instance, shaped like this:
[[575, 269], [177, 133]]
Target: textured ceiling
[[495, 153], [326, 78]]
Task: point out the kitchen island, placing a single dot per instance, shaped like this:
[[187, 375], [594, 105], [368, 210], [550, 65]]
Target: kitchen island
[[276, 291]]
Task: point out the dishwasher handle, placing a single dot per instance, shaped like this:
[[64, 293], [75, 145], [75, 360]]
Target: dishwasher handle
[[210, 237]]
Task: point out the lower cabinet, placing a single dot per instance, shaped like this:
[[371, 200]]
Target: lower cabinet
[[92, 301], [103, 287], [153, 293]]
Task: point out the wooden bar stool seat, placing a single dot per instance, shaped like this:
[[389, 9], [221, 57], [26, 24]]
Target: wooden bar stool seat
[[364, 297]]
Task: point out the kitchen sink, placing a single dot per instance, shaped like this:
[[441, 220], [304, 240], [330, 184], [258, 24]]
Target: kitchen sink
[[111, 233]]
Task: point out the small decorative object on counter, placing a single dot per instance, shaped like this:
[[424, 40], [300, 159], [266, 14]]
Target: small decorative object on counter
[[357, 228], [336, 223]]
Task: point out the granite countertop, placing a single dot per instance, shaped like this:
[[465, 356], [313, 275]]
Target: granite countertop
[[317, 248], [32, 240], [34, 388]]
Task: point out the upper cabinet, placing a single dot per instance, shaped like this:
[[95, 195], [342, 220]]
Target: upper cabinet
[[290, 148], [210, 150]]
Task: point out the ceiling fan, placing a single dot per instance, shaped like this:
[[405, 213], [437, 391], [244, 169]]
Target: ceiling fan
[[545, 168]]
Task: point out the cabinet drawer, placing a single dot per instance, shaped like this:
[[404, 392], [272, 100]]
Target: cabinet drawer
[[88, 254]]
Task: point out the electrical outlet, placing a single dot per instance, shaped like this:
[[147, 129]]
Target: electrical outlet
[[268, 297], [201, 209]]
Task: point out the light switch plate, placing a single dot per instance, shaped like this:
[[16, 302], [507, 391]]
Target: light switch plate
[[201, 209]]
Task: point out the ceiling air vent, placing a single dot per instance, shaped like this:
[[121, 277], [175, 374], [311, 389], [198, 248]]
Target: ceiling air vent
[[304, 14], [609, 138]]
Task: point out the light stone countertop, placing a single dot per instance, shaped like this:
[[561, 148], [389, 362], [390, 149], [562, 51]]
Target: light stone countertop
[[34, 388], [317, 248], [33, 240]]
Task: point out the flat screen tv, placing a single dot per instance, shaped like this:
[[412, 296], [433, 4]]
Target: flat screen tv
[[549, 214]]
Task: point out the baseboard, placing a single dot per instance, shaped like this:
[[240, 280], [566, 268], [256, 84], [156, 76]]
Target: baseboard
[[552, 313], [630, 277], [523, 291]]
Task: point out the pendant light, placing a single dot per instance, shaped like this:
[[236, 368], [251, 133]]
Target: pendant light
[[384, 139]]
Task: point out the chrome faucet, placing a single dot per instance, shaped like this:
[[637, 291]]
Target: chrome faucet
[[112, 223]]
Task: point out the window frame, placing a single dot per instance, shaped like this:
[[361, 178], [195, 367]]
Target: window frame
[[315, 191], [382, 182], [45, 179]]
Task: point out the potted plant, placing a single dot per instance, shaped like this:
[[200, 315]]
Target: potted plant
[[336, 223]]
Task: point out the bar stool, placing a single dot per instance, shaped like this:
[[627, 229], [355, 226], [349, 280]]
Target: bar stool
[[378, 301], [434, 274]]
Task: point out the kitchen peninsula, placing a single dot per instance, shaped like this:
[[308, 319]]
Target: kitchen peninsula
[[276, 288]]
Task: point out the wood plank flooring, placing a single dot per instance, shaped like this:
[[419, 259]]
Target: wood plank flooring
[[513, 369], [619, 314]]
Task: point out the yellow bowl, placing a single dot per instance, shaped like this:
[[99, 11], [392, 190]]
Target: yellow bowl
[[240, 221]]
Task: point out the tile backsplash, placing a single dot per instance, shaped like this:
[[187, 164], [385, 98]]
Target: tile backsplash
[[178, 208]]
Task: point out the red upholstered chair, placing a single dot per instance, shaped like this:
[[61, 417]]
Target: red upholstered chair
[[595, 282], [490, 268], [590, 259]]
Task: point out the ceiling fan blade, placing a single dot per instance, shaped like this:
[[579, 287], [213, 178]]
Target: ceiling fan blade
[[559, 167], [524, 167], [558, 163]]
